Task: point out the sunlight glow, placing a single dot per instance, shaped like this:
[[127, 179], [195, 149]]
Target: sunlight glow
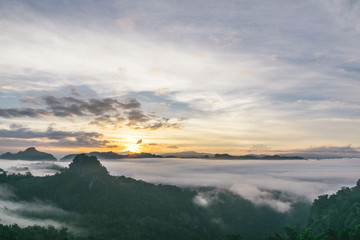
[[132, 148]]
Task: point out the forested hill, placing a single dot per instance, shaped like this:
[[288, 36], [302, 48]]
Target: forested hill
[[334, 217], [116, 207], [337, 211]]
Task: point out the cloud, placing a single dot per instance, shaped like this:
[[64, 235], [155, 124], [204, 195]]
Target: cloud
[[26, 112], [136, 116], [205, 199], [90, 50], [114, 120], [69, 106], [328, 151], [74, 91], [138, 120], [58, 138], [259, 148], [131, 103], [139, 141], [281, 203], [261, 197], [164, 123], [103, 112]]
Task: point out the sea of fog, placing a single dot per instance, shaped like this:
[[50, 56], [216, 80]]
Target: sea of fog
[[249, 178], [254, 180]]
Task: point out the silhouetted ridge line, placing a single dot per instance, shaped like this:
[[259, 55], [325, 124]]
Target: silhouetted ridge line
[[29, 154], [87, 165], [112, 155], [249, 157]]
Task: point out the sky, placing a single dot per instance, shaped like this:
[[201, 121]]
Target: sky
[[242, 77]]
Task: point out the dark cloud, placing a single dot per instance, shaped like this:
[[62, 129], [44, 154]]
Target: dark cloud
[[137, 116], [115, 121], [139, 141], [131, 103], [73, 91], [69, 106], [103, 112], [164, 123], [62, 138], [25, 112]]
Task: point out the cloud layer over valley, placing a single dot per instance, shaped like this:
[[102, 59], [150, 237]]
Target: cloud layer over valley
[[255, 180]]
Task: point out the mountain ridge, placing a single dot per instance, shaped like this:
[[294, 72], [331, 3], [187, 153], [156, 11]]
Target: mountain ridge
[[30, 154]]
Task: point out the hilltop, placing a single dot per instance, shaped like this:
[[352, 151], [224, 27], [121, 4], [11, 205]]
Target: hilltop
[[30, 154]]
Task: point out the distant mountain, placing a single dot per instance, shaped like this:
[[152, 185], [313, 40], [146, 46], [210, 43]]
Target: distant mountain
[[112, 155], [250, 157], [29, 154], [277, 157], [193, 154], [100, 155], [188, 154], [143, 155]]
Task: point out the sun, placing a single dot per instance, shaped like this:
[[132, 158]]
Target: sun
[[132, 144], [131, 148]]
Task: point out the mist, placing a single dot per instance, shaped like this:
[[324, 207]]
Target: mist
[[254, 180], [29, 213]]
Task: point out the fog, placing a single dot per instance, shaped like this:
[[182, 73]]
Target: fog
[[252, 179], [307, 178], [29, 213]]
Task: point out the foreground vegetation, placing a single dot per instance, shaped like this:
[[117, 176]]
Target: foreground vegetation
[[14, 232], [334, 217], [308, 234]]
